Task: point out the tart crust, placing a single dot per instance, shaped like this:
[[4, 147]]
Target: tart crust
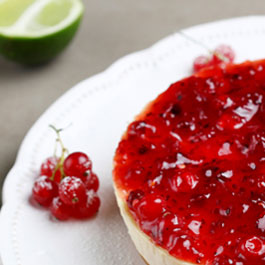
[[151, 253]]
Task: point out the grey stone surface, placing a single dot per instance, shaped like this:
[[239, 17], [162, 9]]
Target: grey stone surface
[[110, 30]]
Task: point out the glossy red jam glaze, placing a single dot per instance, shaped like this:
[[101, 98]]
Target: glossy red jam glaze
[[192, 167]]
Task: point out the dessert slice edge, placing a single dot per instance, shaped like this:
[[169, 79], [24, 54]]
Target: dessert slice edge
[[151, 253]]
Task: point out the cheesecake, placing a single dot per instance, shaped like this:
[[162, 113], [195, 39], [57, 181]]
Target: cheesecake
[[189, 172]]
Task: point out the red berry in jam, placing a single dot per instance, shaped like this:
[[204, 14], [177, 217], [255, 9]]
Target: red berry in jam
[[89, 208], [184, 182], [229, 121], [254, 246], [60, 210], [92, 181], [44, 190], [48, 167], [201, 62], [150, 207], [72, 191], [77, 164], [142, 129], [134, 198], [166, 224]]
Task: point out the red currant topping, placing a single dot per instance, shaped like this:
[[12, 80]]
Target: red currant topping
[[208, 165], [44, 190], [77, 164], [72, 191], [60, 210], [89, 208], [48, 167], [92, 181], [150, 207]]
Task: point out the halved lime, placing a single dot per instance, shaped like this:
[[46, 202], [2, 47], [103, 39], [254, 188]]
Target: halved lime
[[35, 31]]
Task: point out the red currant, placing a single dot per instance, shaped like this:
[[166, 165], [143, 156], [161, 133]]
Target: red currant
[[72, 191], [44, 190], [48, 167], [77, 164], [150, 207], [201, 62], [92, 181], [60, 210], [223, 54], [89, 208], [68, 185]]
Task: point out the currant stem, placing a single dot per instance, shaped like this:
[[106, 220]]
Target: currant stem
[[57, 131], [64, 151], [219, 55], [184, 35]]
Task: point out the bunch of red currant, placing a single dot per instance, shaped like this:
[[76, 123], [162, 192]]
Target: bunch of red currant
[[221, 56], [68, 186]]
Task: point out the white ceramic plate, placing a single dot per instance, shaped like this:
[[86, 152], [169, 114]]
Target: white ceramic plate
[[99, 110]]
